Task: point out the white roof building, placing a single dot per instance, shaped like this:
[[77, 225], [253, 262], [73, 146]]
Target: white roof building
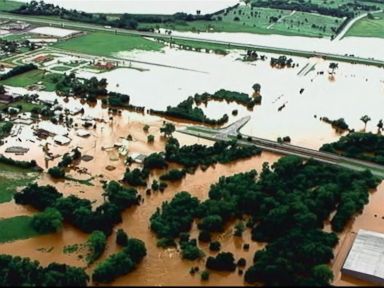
[[365, 260], [54, 32], [82, 133], [62, 140]]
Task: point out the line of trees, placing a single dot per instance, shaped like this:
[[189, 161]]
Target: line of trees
[[128, 21], [359, 145], [79, 212], [228, 96], [18, 70], [185, 110], [120, 263], [22, 164], [16, 271]]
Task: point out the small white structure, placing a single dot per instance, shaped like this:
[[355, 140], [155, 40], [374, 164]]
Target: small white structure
[[137, 157], [54, 32], [52, 128], [82, 133], [62, 140], [365, 260]]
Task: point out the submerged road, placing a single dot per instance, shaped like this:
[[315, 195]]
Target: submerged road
[[230, 132], [278, 50]]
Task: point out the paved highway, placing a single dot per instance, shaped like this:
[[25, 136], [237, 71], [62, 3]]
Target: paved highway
[[231, 132], [279, 50]]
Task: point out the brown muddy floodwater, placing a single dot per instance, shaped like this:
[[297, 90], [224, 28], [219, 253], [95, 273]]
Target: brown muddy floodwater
[[355, 91]]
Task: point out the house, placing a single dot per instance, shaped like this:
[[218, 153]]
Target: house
[[62, 140], [137, 157], [82, 133], [9, 98], [41, 133]]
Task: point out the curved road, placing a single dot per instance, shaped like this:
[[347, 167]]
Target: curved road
[[92, 27]]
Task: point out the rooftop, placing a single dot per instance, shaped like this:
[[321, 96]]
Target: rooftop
[[366, 257]]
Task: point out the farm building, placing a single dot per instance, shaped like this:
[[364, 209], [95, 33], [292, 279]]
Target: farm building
[[365, 260], [62, 140], [55, 32]]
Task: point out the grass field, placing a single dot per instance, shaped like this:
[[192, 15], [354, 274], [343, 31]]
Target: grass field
[[6, 5], [31, 77], [263, 21], [106, 44], [368, 27], [11, 178], [26, 106], [16, 228]]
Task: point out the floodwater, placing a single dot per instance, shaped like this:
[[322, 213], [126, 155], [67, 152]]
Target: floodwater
[[144, 6], [355, 90], [358, 46]]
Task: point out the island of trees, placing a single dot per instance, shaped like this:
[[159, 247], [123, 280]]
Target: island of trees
[[295, 196], [359, 145]]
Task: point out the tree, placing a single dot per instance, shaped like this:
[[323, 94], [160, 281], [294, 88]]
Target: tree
[[150, 138], [239, 229], [380, 125], [214, 246], [224, 261], [365, 119], [322, 275], [167, 129], [121, 238], [333, 66], [2, 89], [56, 172], [50, 220], [256, 87], [155, 161], [205, 275], [146, 128], [96, 245]]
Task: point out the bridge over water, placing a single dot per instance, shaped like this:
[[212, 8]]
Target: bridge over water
[[231, 132]]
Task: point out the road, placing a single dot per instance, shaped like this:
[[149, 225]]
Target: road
[[277, 50], [350, 24], [231, 132]]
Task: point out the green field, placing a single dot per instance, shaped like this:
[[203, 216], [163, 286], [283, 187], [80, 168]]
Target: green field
[[26, 106], [31, 77], [368, 27], [260, 21], [11, 178], [106, 44], [6, 5], [16, 228]]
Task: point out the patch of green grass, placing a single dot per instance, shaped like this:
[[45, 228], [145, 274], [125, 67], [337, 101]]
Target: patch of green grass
[[259, 21], [368, 27], [6, 5], [60, 68], [16, 37], [12, 177], [26, 106], [16, 228], [107, 44], [31, 77]]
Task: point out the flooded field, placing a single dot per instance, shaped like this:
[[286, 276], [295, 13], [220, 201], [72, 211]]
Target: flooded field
[[357, 46], [144, 6], [354, 90]]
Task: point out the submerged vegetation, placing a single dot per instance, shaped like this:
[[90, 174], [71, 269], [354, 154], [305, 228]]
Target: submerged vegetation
[[294, 195], [359, 145]]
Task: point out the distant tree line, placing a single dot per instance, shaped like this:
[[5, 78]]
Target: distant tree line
[[228, 96], [18, 70], [185, 110], [343, 10], [22, 164], [128, 21]]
